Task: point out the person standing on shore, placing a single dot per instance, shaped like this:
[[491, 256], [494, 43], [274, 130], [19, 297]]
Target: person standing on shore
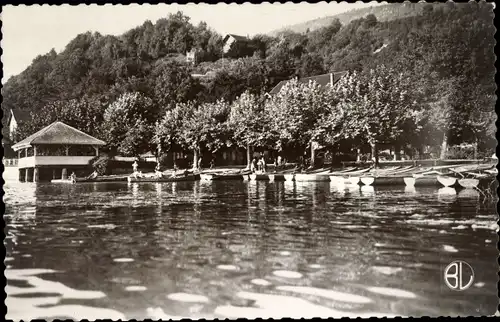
[[252, 166]]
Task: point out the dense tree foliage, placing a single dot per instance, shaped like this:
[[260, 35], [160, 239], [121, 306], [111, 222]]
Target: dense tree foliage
[[430, 72]]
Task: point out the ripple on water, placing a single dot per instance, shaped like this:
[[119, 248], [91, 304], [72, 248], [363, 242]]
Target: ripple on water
[[280, 306], [135, 288], [392, 292], [315, 266], [260, 282], [328, 294], [29, 308], [103, 226], [387, 270], [287, 274], [228, 267], [186, 297], [76, 312], [450, 249], [123, 260]]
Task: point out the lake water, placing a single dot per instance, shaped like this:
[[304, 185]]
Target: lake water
[[244, 249]]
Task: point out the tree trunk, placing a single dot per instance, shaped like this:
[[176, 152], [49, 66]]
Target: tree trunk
[[420, 150], [196, 154], [475, 150], [358, 155], [397, 152], [373, 145], [249, 155], [444, 147], [313, 155]]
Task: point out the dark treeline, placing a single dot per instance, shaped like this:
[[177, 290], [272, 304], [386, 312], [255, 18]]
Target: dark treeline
[[424, 80]]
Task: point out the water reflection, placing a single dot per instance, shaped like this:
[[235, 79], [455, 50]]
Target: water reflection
[[243, 249]]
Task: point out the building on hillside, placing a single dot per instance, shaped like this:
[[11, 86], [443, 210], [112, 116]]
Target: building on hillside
[[328, 79], [237, 46], [192, 56], [15, 117], [55, 151]]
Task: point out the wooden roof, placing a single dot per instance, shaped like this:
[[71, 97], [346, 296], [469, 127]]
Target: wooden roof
[[236, 37], [322, 80], [58, 133]]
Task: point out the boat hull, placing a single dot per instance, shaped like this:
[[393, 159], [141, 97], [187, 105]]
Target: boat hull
[[166, 179], [388, 181], [446, 181], [367, 181], [468, 183], [219, 177], [66, 181], [424, 181]]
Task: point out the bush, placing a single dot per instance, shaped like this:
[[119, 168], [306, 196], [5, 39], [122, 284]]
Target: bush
[[101, 165]]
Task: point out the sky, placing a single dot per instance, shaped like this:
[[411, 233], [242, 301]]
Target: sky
[[29, 31]]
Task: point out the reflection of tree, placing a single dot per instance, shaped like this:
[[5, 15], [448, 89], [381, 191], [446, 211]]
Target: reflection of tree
[[20, 213]]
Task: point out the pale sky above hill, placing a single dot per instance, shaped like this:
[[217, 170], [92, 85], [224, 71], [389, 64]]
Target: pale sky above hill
[[29, 31]]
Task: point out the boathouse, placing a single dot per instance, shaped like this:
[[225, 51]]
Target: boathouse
[[54, 152]]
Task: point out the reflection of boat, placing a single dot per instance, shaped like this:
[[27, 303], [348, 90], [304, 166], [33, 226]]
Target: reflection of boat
[[311, 177], [469, 193], [114, 178], [410, 189], [289, 177], [276, 177], [369, 190], [447, 195], [188, 177], [221, 176], [447, 191], [259, 177]]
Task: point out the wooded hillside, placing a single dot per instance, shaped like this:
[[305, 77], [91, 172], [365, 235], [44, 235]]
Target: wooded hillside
[[444, 51]]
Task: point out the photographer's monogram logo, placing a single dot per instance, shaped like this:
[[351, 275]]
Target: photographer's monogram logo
[[459, 275]]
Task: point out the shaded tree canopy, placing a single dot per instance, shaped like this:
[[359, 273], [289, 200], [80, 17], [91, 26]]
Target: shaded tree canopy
[[445, 51]]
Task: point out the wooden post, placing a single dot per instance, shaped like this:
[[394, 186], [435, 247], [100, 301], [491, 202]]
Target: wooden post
[[28, 177], [64, 174], [34, 150], [313, 156], [21, 177], [36, 174], [53, 173], [67, 150]]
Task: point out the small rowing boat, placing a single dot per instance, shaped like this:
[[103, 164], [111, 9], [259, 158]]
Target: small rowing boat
[[221, 176], [468, 183], [67, 181], [188, 177], [446, 181]]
